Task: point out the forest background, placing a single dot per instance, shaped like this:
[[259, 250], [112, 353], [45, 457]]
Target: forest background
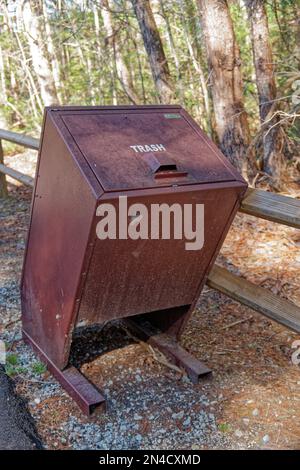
[[234, 65]]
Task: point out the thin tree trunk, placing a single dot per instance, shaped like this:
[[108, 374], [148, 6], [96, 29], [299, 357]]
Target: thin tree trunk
[[39, 60], [121, 67], [231, 121], [170, 37], [296, 53], [98, 42], [29, 74], [197, 66], [140, 69], [3, 91], [173, 50], [91, 87], [154, 48], [112, 65], [266, 87], [51, 52]]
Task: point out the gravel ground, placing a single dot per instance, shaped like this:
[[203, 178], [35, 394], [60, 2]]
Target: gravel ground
[[252, 399]]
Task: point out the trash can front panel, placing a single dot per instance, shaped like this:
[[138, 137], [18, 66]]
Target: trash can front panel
[[129, 277]]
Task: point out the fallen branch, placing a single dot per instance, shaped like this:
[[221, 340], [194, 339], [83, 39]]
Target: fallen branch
[[161, 358], [236, 323]]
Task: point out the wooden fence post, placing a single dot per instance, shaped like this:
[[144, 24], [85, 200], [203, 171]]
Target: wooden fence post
[[3, 182]]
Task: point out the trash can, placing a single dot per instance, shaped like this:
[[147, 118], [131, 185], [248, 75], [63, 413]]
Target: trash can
[[92, 254]]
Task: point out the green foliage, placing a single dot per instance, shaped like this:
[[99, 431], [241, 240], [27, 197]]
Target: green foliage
[[12, 371], [12, 359], [12, 366], [224, 427], [39, 368]]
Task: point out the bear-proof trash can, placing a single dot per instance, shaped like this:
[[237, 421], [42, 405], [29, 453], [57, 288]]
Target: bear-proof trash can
[[130, 208]]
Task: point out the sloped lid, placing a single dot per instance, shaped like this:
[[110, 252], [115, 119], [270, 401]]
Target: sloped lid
[[140, 147]]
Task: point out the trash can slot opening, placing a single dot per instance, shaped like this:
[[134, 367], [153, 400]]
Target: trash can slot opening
[[159, 163]]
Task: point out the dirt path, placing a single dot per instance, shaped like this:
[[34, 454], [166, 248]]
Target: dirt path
[[251, 401]]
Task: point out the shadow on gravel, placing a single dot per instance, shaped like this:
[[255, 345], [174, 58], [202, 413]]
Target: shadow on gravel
[[93, 341], [17, 427]]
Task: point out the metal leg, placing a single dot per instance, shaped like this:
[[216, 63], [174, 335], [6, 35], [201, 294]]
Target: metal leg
[[76, 384], [169, 346]]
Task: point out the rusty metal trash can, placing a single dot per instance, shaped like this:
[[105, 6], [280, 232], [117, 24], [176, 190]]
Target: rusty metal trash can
[[149, 155]]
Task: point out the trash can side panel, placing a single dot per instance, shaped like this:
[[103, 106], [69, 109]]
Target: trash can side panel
[[61, 219], [129, 277], [73, 149]]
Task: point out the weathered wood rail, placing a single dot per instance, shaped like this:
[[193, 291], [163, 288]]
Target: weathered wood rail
[[276, 208], [20, 139]]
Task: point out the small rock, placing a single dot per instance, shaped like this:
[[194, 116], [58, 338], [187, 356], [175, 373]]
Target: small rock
[[246, 421], [255, 412], [37, 401], [238, 433], [186, 379], [266, 439], [195, 447], [137, 417], [187, 421], [179, 415]]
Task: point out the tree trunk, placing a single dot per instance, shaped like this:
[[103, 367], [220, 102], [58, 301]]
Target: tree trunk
[[40, 62], [173, 50], [98, 51], [154, 48], [231, 121], [195, 59], [266, 87], [3, 90], [51, 52], [121, 67]]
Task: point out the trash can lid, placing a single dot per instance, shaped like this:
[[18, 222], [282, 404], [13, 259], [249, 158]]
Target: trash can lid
[[145, 147]]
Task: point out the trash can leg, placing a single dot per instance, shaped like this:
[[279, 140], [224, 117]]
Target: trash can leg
[[86, 395], [170, 347]]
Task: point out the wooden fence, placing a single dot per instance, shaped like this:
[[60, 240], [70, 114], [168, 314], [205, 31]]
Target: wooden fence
[[269, 206]]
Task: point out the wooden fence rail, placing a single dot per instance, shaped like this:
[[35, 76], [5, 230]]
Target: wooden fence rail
[[281, 209], [20, 139], [255, 297]]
